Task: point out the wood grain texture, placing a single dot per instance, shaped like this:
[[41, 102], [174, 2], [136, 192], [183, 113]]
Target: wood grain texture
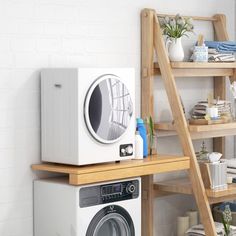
[[182, 130], [198, 69], [206, 176], [183, 186], [147, 98], [198, 128], [202, 131], [221, 34], [233, 76], [80, 175], [199, 18], [219, 24], [147, 108], [200, 65], [147, 205], [76, 179]]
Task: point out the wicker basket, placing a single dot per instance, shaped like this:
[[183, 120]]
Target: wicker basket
[[217, 215]]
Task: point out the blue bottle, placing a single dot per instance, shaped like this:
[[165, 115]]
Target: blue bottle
[[143, 133]]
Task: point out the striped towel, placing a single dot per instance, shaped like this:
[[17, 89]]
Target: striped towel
[[231, 163], [198, 230]]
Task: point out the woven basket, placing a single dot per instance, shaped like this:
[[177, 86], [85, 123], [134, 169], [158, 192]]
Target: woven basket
[[217, 215]]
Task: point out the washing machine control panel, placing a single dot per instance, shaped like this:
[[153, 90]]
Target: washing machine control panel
[[119, 191]]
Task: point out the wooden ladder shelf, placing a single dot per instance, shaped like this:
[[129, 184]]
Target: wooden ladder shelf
[[152, 40]]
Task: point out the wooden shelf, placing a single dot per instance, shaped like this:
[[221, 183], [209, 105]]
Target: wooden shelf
[[199, 69], [183, 186], [152, 41], [113, 171], [201, 131]]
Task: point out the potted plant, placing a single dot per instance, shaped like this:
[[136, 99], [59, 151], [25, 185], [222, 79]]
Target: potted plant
[[226, 220], [175, 28]]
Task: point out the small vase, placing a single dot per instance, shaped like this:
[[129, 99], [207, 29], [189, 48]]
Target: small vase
[[152, 144], [175, 49]]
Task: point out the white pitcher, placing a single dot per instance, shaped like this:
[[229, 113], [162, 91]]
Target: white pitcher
[[175, 49]]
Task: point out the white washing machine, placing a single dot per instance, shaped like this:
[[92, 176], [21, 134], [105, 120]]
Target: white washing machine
[[107, 209], [87, 115]]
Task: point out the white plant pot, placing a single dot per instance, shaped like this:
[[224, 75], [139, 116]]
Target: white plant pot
[[175, 49]]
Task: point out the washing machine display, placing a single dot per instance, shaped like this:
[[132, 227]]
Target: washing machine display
[[108, 193], [108, 109], [108, 209]]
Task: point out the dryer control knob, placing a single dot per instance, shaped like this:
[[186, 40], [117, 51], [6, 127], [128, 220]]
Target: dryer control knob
[[123, 151], [129, 149], [130, 188]]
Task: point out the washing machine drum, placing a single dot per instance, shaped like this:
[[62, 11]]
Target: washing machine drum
[[108, 109], [112, 220]]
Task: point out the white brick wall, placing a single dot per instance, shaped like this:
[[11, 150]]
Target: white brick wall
[[66, 33]]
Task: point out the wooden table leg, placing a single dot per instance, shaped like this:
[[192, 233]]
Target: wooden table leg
[[147, 205]]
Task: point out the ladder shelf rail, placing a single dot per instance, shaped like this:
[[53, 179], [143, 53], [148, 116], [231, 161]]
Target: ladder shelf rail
[[152, 40]]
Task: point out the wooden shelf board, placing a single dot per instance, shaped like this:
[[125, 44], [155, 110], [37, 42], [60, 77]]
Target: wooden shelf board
[[201, 131], [202, 65], [79, 175], [183, 186], [198, 69], [163, 133]]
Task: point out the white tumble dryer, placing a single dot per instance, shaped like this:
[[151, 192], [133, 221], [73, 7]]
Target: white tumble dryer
[[87, 115], [107, 209]]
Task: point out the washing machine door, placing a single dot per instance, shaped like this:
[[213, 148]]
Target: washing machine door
[[112, 220], [108, 109]]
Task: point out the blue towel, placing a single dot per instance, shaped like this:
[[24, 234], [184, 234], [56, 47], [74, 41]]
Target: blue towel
[[222, 46]]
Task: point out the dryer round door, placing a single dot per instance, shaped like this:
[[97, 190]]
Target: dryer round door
[[112, 220], [108, 109]]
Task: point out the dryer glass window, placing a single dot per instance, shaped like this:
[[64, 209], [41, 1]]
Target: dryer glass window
[[112, 220], [108, 109], [112, 225]]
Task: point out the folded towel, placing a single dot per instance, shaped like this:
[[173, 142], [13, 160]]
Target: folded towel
[[222, 46], [221, 58], [231, 163], [199, 230], [231, 175], [231, 171]]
